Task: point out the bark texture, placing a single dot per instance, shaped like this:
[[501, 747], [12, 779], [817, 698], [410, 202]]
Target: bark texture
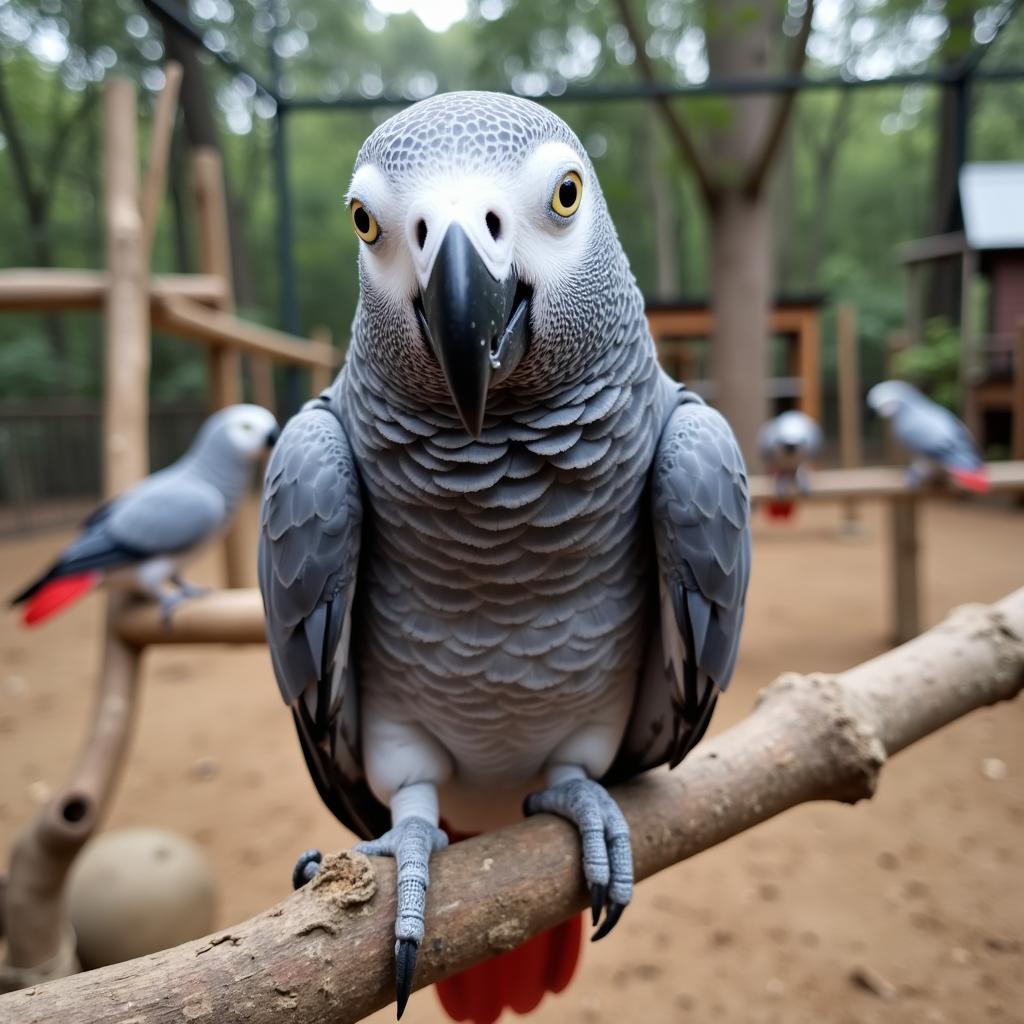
[[325, 954]]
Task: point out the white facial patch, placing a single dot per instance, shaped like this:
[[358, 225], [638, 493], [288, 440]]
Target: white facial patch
[[506, 214]]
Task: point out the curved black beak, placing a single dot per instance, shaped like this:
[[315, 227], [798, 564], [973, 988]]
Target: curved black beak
[[273, 435], [477, 326]]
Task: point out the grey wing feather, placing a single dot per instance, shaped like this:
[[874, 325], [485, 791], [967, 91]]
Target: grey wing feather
[[930, 430], [171, 511], [701, 511], [310, 525]]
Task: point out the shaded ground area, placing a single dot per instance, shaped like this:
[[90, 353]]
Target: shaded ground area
[[921, 889]]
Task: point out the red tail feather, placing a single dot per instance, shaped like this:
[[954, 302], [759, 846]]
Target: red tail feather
[[57, 594], [517, 980], [972, 479], [779, 509]]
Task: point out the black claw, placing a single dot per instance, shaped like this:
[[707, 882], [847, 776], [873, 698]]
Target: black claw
[[611, 920], [405, 970], [598, 896], [306, 867]]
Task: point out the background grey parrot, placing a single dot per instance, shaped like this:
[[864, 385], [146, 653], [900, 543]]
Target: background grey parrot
[[142, 538], [504, 555], [941, 446], [787, 444]]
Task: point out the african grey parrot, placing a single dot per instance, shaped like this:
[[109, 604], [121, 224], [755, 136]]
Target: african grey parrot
[[787, 443], [504, 551], [941, 446], [141, 539]]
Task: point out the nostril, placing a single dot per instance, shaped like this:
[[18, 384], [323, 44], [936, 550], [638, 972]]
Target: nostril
[[421, 233], [494, 224]]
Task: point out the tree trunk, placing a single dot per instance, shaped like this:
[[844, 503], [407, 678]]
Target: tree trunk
[[741, 288], [740, 211]]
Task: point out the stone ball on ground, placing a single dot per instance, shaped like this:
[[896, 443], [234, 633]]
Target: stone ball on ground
[[136, 891]]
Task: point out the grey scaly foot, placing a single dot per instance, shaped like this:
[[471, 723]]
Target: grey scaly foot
[[187, 589], [607, 854], [411, 842], [168, 602], [306, 867]]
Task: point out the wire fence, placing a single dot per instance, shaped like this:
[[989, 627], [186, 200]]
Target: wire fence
[[51, 451]]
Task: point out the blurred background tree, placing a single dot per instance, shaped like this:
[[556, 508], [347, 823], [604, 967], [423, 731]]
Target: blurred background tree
[[848, 175]]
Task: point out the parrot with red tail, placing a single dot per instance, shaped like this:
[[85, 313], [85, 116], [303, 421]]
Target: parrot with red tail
[[941, 446], [787, 443], [504, 556], [141, 539]]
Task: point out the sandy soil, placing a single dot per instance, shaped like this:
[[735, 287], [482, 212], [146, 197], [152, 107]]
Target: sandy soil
[[923, 885]]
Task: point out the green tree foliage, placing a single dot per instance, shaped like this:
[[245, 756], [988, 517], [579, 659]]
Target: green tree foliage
[[55, 54]]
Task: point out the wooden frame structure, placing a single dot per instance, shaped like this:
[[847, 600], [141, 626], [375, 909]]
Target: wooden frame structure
[[199, 307], [675, 326]]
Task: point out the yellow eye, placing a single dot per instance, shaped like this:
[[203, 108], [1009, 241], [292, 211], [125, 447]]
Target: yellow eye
[[566, 199], [362, 220]]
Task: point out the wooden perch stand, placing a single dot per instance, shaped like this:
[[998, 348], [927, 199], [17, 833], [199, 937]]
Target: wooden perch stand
[[889, 484], [325, 954]]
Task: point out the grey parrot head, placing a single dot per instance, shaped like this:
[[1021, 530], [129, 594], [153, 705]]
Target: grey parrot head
[[487, 259], [790, 433], [887, 398], [238, 432]]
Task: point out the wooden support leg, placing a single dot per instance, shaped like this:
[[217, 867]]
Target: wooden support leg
[[903, 552], [35, 914]]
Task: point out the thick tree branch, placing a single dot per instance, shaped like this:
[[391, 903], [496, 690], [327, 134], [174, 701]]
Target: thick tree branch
[[783, 108], [325, 953], [19, 155], [676, 126]]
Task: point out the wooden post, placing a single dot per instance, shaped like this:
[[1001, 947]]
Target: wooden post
[[903, 552], [809, 356], [40, 945], [320, 376], [126, 375], [1018, 394], [968, 367], [159, 151], [225, 363], [851, 452]]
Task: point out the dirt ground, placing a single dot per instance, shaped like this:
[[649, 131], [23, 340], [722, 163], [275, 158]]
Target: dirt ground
[[922, 886]]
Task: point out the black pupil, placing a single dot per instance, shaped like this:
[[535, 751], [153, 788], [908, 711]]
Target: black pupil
[[362, 219], [567, 193]]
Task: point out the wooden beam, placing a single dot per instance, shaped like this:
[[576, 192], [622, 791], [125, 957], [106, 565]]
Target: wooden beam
[[126, 388], [44, 290], [225, 361], [935, 247], [159, 151], [211, 327], [223, 617], [968, 347], [809, 362], [903, 561], [882, 482]]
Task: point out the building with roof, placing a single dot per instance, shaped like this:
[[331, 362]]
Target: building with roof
[[990, 252]]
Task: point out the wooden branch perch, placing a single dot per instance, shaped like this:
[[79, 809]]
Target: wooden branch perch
[[39, 946], [325, 954]]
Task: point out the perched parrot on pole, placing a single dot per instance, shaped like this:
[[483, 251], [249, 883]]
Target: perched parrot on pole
[[141, 539], [504, 556], [941, 446], [787, 443]]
